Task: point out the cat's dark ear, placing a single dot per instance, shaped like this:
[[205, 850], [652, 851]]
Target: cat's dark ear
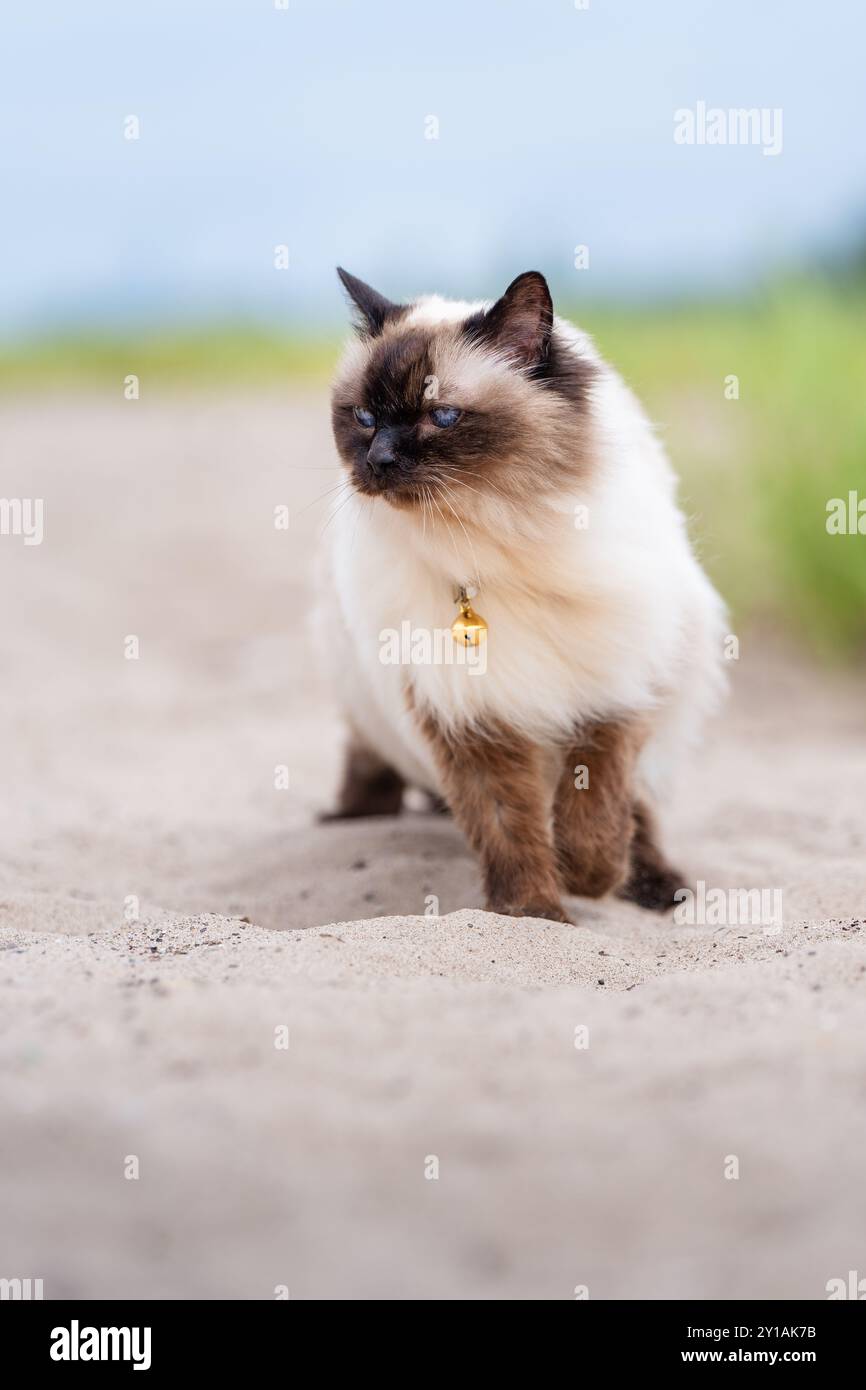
[[520, 323], [374, 310]]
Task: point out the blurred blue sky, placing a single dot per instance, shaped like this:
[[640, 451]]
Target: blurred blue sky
[[306, 126]]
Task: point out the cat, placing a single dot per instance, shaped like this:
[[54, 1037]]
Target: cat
[[495, 461]]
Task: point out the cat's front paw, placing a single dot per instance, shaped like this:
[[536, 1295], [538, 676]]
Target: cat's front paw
[[548, 908]]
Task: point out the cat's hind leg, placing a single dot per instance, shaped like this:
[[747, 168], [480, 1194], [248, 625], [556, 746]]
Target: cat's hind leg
[[652, 881], [369, 786]]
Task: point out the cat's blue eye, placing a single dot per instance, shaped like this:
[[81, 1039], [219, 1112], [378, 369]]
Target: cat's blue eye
[[445, 415], [366, 418]]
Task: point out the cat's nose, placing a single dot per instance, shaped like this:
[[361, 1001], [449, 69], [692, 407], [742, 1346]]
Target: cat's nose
[[382, 453]]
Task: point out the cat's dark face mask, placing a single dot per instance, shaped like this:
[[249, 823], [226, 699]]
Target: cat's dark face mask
[[400, 438]]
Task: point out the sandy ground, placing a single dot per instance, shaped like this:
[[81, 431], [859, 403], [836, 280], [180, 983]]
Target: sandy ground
[[412, 1037]]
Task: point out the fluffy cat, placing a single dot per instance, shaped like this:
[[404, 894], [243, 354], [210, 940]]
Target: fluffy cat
[[490, 448]]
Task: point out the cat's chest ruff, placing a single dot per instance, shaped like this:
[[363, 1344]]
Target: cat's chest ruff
[[545, 659]]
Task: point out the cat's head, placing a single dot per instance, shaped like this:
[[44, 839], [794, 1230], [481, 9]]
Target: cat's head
[[442, 400]]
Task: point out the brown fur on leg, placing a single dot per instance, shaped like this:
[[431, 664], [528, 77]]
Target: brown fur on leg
[[652, 881], [593, 825], [369, 786], [494, 785]]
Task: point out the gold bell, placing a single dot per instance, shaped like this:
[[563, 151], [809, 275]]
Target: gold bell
[[468, 629]]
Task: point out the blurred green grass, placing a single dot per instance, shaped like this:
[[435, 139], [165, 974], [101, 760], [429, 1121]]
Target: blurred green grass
[[224, 355], [757, 471]]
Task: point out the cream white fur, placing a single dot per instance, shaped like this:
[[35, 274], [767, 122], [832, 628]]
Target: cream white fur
[[614, 619]]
